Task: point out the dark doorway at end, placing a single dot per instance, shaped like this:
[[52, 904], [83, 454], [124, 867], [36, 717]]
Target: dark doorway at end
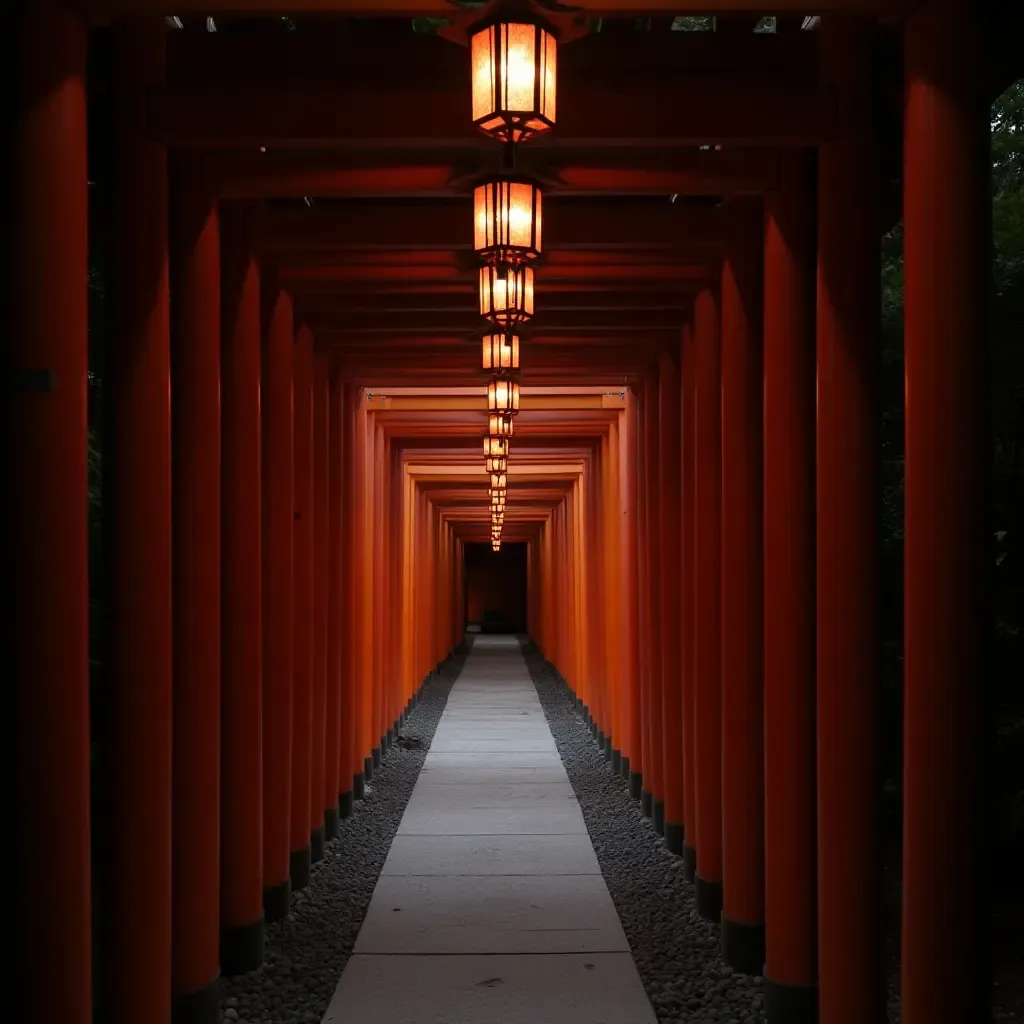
[[495, 588]]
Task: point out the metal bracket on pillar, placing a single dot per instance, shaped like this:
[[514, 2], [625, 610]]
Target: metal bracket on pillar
[[24, 382]]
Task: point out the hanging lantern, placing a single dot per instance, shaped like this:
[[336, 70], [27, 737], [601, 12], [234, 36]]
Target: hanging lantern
[[506, 294], [495, 447], [503, 397], [496, 464], [515, 69], [507, 221], [501, 353], [499, 425], [498, 500], [499, 482], [495, 545]]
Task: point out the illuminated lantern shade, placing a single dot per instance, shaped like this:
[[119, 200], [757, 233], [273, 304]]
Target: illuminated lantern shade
[[506, 294], [507, 221], [496, 447], [499, 426], [503, 396], [497, 501], [499, 482], [496, 464], [495, 545], [501, 352], [515, 69]]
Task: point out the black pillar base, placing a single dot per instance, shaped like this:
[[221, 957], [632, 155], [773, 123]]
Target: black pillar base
[[608, 748], [645, 803], [276, 900], [673, 838], [298, 868], [689, 863], [385, 744], [345, 802], [359, 785], [316, 845], [658, 817], [616, 762], [241, 948], [743, 946], [709, 899], [789, 1004], [330, 823], [199, 1007], [624, 768], [600, 740], [368, 767], [376, 757], [636, 784]]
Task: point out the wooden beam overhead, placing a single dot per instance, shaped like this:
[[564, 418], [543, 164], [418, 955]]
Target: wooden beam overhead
[[546, 321], [341, 173], [673, 109], [439, 8], [464, 302], [448, 224]]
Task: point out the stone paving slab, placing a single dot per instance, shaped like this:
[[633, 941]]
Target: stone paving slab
[[500, 914], [495, 821], [595, 988], [492, 855]]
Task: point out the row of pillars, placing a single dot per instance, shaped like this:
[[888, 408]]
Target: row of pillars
[[275, 585], [709, 588]]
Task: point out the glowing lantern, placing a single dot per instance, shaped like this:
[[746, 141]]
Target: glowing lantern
[[499, 425], [496, 447], [499, 482], [506, 294], [503, 397], [496, 464], [501, 352], [495, 545], [507, 219], [515, 69]]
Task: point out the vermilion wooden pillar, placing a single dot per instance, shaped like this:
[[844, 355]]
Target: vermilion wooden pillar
[[707, 499], [337, 750], [241, 853], [789, 600], [850, 941], [378, 577], [277, 485], [946, 222], [638, 548], [137, 509], [742, 595], [47, 567], [627, 610], [670, 563], [689, 602], [352, 693], [318, 811], [653, 762], [302, 611], [196, 469]]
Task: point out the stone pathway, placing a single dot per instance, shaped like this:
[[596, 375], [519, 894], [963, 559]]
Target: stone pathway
[[491, 906]]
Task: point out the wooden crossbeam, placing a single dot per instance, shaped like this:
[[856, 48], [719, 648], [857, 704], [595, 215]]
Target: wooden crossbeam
[[464, 302], [642, 111], [424, 173], [546, 321], [448, 224]]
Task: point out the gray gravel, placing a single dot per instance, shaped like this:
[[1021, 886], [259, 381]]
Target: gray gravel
[[307, 951], [676, 953]]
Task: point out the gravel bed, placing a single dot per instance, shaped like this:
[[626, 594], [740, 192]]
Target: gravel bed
[[306, 952], [676, 952]]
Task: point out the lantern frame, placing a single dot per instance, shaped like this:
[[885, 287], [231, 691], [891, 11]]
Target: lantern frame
[[500, 426], [506, 293], [500, 353], [503, 396], [496, 463], [499, 482], [496, 447], [508, 220], [504, 107]]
